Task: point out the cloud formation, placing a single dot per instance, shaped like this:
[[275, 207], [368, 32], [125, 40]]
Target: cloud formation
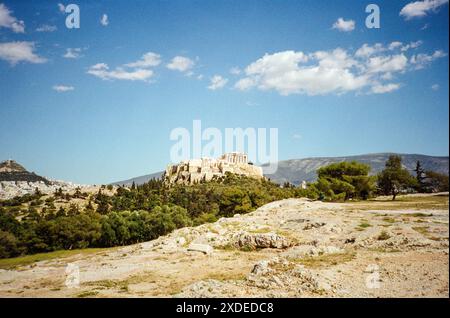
[[10, 22], [369, 69], [16, 52], [422, 60], [61, 7], [104, 20], [217, 82], [235, 70], [181, 64], [103, 71], [382, 89], [73, 53], [344, 25], [420, 9], [134, 71], [63, 88], [147, 60]]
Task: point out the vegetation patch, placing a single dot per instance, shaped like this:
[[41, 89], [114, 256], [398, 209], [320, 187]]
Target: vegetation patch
[[389, 220], [421, 214], [383, 236], [324, 260], [364, 225], [86, 294], [11, 263]]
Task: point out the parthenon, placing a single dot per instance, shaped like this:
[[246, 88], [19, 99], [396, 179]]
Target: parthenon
[[204, 169], [234, 157]]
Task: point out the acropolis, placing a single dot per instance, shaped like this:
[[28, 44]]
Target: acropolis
[[205, 169]]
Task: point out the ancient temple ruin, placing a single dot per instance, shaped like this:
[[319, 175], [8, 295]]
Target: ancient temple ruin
[[205, 169]]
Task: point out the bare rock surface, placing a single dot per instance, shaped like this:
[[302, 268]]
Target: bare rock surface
[[288, 248]]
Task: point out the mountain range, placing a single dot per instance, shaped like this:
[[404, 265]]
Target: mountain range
[[297, 170]]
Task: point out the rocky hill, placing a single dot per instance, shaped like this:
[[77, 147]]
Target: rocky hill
[[140, 180], [288, 248], [12, 171], [205, 169], [15, 180]]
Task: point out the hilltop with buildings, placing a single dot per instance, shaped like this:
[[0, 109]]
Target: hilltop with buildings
[[205, 169], [16, 181]]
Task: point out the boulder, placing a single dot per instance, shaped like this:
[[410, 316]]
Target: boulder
[[266, 240], [203, 248], [261, 268]]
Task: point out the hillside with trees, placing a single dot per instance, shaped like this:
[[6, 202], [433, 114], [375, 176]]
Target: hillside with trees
[[115, 216]]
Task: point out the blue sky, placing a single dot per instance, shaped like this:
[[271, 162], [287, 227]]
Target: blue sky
[[87, 105]]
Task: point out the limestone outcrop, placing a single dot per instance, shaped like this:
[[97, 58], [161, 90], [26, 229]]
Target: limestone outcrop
[[205, 169]]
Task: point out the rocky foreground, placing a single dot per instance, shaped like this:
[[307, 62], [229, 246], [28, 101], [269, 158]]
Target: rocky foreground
[[288, 248]]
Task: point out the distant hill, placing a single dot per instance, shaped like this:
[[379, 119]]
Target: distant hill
[[12, 171], [297, 170], [140, 180]]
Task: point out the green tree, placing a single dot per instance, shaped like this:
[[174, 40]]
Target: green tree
[[345, 180], [394, 178], [436, 182], [8, 245], [420, 177]]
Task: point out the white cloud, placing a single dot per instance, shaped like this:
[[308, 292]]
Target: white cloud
[[245, 83], [104, 20], [435, 87], [250, 103], [181, 64], [336, 71], [149, 59], [411, 45], [73, 53], [217, 82], [134, 71], [61, 7], [420, 9], [395, 45], [46, 28], [102, 71], [382, 89], [330, 72], [15, 52], [63, 88], [344, 25], [367, 50], [387, 64], [422, 60], [235, 71], [10, 22]]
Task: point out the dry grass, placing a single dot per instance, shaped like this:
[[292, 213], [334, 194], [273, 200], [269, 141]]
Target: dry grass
[[432, 202], [11, 263], [325, 260]]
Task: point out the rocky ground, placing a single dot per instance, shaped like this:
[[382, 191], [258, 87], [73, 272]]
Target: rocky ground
[[289, 248]]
